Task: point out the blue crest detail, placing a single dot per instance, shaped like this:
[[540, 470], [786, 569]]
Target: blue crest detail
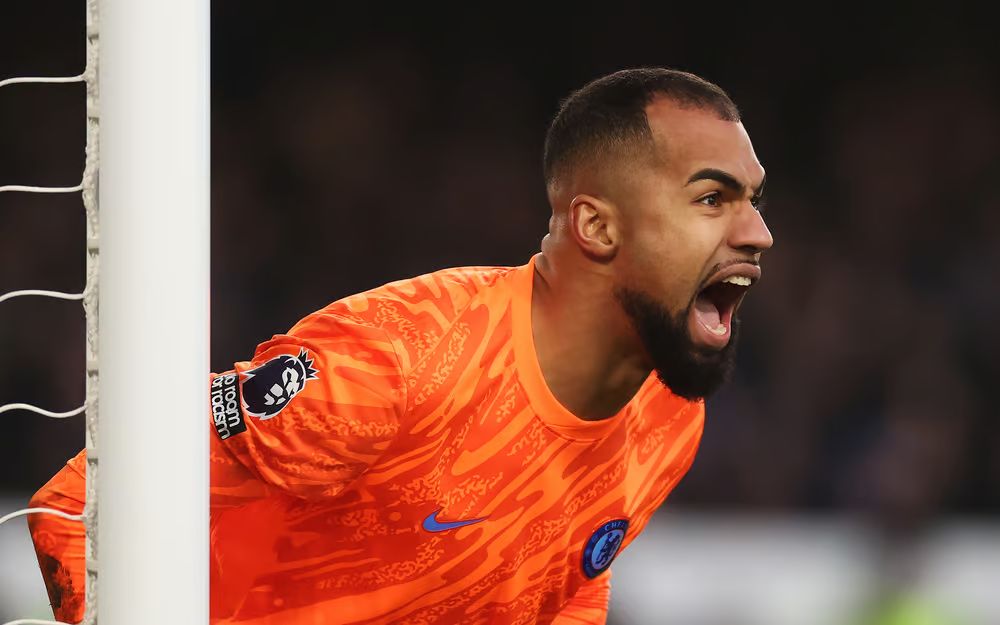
[[603, 546]]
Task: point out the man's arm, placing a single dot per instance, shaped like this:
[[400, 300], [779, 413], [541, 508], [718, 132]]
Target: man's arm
[[589, 606], [306, 416], [60, 543]]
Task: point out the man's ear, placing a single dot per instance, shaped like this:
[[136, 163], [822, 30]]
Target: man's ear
[[594, 225]]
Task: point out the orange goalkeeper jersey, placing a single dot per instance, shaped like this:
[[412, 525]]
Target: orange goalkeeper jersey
[[397, 457]]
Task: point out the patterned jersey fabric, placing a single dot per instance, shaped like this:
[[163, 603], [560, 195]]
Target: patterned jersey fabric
[[397, 457]]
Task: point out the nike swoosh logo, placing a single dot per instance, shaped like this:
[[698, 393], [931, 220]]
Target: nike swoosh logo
[[431, 524]]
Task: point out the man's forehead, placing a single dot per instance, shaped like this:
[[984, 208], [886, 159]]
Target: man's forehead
[[691, 139]]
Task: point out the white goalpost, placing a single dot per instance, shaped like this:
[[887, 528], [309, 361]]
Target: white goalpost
[[145, 191], [152, 445]]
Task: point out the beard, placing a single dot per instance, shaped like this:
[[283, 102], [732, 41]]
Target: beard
[[688, 370]]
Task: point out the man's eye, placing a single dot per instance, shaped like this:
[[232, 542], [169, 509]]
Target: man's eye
[[757, 202], [712, 199]]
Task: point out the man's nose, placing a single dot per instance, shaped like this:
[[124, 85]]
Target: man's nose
[[748, 231]]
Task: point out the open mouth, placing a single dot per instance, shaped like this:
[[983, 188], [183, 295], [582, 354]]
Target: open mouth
[[715, 306]]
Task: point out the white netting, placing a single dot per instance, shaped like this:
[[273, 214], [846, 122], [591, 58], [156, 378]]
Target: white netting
[[28, 189], [27, 511], [23, 80], [41, 293], [88, 187]]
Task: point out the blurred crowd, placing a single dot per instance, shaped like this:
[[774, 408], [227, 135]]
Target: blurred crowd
[[354, 149]]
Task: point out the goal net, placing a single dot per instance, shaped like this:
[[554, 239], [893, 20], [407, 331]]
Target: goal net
[[145, 191]]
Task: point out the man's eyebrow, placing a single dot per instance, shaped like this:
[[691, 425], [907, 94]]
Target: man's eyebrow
[[725, 179]]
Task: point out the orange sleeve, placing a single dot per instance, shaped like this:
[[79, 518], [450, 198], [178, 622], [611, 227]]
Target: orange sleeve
[[307, 415], [59, 543], [589, 606]]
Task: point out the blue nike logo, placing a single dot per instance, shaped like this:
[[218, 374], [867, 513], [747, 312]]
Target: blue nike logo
[[431, 524]]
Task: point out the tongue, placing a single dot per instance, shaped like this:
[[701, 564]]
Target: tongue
[[706, 312]]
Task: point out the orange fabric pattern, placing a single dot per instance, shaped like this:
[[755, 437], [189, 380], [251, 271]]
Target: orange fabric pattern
[[396, 457]]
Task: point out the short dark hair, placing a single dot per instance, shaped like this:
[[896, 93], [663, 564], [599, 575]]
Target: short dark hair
[[609, 114]]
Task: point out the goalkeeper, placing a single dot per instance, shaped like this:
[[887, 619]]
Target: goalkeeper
[[476, 445]]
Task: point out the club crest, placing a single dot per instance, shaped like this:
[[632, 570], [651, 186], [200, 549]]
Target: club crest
[[602, 547]]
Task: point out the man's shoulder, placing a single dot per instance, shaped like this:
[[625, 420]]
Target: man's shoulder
[[458, 283], [447, 291], [420, 306]]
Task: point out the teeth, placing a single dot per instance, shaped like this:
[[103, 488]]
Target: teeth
[[738, 280], [718, 330]]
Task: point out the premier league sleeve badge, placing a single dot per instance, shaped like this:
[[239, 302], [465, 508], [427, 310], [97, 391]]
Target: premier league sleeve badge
[[267, 389]]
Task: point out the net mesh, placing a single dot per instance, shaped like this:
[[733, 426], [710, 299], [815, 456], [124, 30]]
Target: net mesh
[[89, 188]]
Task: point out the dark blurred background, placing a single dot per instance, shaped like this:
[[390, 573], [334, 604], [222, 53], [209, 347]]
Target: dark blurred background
[[354, 145]]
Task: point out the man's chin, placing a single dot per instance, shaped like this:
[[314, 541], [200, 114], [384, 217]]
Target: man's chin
[[701, 372], [690, 368]]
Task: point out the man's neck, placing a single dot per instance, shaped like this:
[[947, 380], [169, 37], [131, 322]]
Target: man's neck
[[589, 355]]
